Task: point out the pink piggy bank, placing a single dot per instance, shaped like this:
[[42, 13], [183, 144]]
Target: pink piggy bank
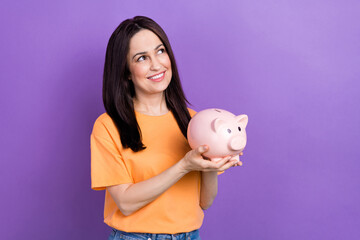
[[221, 130]]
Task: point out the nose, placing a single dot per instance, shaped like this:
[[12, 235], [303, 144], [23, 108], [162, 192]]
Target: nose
[[237, 143], [155, 64]]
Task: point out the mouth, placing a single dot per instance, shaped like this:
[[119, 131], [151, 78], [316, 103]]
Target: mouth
[[158, 77]]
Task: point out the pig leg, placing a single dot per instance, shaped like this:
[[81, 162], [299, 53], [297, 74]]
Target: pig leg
[[235, 157]]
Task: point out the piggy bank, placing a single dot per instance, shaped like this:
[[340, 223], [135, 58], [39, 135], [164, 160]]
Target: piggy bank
[[223, 132]]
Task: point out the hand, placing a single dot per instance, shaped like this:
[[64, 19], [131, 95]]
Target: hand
[[194, 161]]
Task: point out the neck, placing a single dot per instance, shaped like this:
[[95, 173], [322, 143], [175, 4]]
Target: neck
[[154, 105]]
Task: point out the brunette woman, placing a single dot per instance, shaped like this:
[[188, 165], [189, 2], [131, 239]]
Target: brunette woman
[[156, 186]]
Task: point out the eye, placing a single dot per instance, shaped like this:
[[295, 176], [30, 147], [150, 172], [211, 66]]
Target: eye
[[228, 130], [141, 58], [239, 129], [162, 50]]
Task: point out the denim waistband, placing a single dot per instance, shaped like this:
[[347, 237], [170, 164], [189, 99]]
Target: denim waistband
[[117, 234]]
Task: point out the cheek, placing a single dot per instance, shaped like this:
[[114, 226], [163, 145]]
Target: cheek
[[166, 61], [138, 70]]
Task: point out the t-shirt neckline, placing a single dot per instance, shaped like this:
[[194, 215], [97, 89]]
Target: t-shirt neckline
[[143, 114]]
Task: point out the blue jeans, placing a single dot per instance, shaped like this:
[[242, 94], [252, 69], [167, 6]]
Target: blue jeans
[[120, 235]]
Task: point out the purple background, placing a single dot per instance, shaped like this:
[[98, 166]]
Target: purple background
[[292, 66]]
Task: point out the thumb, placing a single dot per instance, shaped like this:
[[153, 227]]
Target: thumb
[[202, 149]]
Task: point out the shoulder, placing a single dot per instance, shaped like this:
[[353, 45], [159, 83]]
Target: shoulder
[[104, 126], [192, 112]]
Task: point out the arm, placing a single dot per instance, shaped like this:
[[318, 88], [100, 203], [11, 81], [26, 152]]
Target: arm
[[131, 197], [209, 187]]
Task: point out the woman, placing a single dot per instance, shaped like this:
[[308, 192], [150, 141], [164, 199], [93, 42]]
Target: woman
[[156, 186]]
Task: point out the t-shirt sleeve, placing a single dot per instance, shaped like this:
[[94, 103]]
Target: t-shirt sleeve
[[192, 112], [107, 165]]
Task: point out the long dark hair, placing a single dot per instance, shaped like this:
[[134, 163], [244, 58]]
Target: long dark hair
[[118, 91]]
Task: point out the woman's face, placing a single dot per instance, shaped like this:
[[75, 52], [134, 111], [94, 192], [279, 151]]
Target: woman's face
[[149, 63]]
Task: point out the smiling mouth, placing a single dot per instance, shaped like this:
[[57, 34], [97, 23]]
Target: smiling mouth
[[157, 77]]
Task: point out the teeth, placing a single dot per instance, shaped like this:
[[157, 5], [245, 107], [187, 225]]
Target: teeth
[[157, 76]]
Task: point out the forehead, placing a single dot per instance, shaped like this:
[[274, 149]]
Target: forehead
[[143, 41]]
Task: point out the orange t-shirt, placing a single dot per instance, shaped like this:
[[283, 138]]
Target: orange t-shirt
[[177, 209]]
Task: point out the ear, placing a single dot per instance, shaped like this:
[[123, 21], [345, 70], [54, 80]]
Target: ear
[[216, 124], [242, 119], [128, 75]]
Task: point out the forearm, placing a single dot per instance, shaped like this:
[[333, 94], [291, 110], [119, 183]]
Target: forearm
[[140, 194], [209, 188]]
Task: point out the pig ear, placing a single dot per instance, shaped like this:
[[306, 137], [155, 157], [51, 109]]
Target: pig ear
[[216, 124], [242, 119]]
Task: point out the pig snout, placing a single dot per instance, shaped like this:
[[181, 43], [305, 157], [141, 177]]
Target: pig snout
[[236, 143]]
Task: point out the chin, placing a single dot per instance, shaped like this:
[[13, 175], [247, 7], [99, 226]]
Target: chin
[[164, 85]]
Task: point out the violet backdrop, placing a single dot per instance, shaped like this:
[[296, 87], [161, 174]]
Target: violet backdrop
[[292, 66]]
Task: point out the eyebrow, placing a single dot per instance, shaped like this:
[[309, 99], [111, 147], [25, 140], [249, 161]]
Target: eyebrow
[[141, 53]]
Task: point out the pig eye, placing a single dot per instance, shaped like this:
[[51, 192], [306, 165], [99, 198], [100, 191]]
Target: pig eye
[[229, 131], [239, 129]]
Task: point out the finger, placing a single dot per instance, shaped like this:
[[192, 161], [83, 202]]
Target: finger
[[238, 164], [216, 165], [202, 149], [221, 162], [227, 166]]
